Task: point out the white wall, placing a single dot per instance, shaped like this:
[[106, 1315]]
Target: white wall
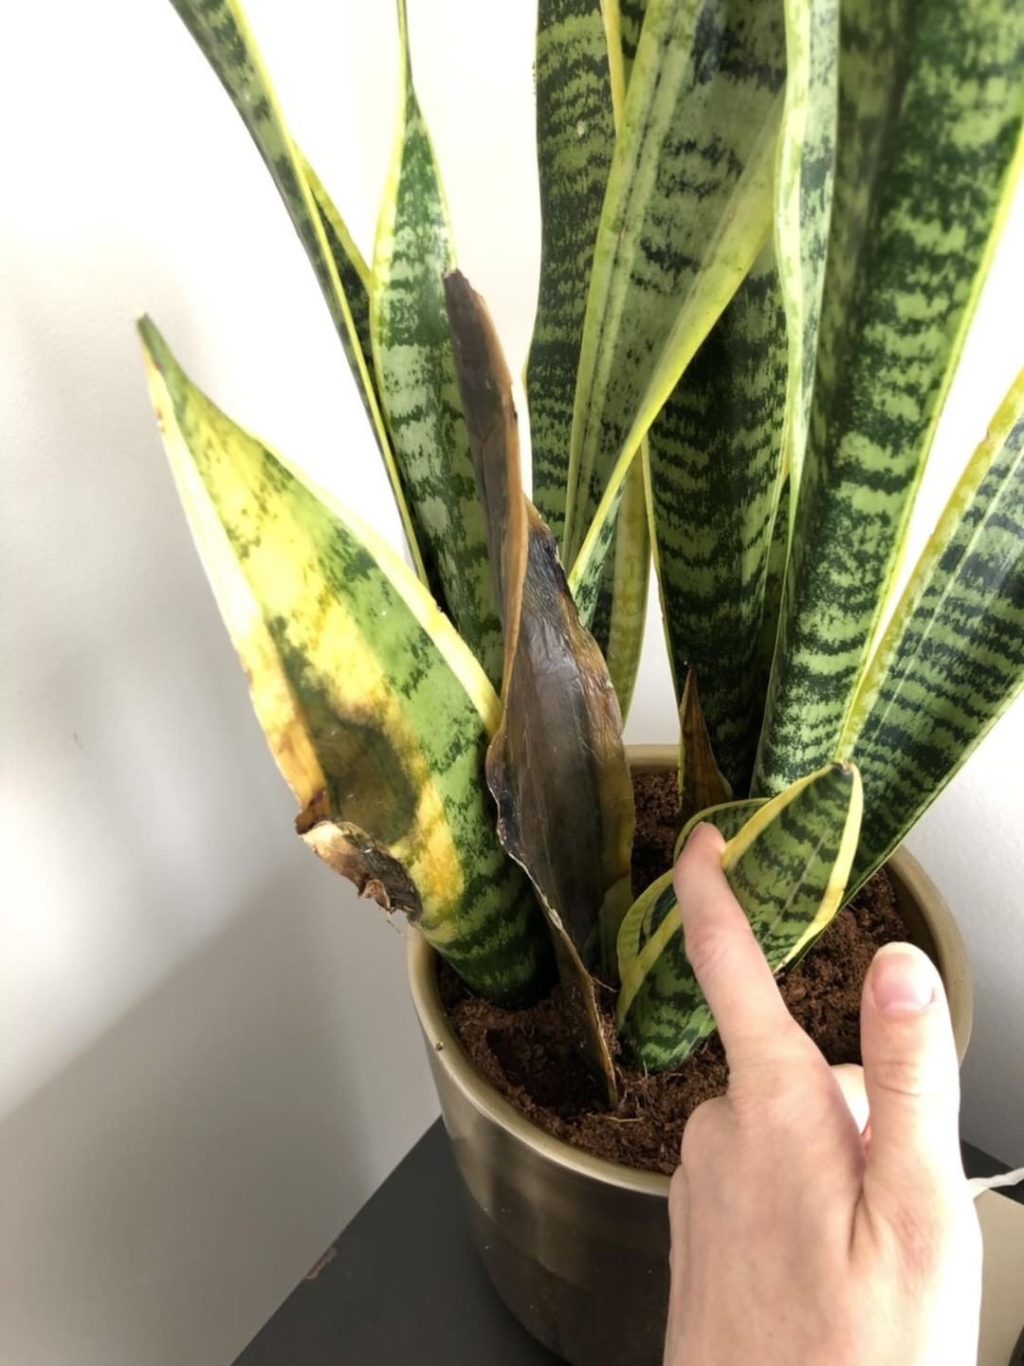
[[208, 1058]]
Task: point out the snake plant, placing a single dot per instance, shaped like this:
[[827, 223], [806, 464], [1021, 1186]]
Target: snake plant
[[765, 227]]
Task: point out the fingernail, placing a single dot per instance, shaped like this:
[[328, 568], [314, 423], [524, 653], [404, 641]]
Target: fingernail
[[903, 980]]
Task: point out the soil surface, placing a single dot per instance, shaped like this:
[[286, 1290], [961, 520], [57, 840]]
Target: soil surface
[[528, 1055]]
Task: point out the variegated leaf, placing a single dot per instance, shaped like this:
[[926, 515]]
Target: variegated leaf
[[788, 867], [222, 33], [577, 91], [715, 455], [952, 658], [575, 141], [686, 214], [930, 111], [375, 711], [417, 380]]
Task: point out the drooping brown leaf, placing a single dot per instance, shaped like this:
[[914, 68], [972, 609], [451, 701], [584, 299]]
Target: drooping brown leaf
[[556, 766]]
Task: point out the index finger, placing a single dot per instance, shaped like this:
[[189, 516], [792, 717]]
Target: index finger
[[726, 958]]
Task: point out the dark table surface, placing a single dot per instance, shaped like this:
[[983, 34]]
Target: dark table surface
[[402, 1283]]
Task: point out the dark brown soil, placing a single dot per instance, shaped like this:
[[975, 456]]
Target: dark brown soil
[[527, 1054]]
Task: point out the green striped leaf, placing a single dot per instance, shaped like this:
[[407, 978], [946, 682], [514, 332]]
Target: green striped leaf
[[222, 34], [930, 110], [575, 141], [788, 867], [353, 272], [686, 214], [376, 713], [728, 817], [803, 202], [416, 374], [715, 469], [619, 614], [631, 21], [557, 763], [952, 658]]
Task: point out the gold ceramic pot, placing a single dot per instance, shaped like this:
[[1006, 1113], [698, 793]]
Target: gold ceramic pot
[[576, 1246]]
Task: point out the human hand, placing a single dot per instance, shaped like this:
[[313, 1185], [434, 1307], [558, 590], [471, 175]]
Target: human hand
[[797, 1239]]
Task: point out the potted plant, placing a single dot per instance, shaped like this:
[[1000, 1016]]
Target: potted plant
[[764, 230]]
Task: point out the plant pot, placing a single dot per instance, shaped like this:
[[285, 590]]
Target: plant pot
[[577, 1246]]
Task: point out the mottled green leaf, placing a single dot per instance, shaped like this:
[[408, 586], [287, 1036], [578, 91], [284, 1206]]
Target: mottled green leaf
[[575, 140], [222, 33], [952, 658], [631, 21], [376, 713], [715, 472], [788, 867], [415, 367], [686, 214], [556, 767], [803, 202], [930, 110], [728, 818], [353, 272]]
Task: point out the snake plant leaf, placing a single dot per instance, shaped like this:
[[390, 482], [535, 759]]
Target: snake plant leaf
[[930, 111], [221, 31], [353, 272], [952, 658], [575, 140], [415, 368], [788, 867], [715, 454], [579, 101], [803, 203], [701, 783], [375, 711], [630, 21], [728, 818], [556, 767], [686, 213]]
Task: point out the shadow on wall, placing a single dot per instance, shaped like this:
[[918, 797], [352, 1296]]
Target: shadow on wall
[[164, 1193]]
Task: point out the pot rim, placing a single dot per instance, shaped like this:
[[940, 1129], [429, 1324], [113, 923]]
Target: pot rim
[[949, 953]]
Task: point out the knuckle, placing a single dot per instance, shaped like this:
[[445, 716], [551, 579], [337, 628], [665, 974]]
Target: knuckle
[[900, 1075]]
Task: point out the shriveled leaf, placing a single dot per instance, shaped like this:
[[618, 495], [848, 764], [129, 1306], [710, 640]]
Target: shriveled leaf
[[788, 867], [557, 766], [416, 374], [930, 112], [715, 455], [686, 214], [222, 33], [376, 713], [952, 658], [700, 779]]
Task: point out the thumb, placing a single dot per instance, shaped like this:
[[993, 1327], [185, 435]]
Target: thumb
[[911, 1077]]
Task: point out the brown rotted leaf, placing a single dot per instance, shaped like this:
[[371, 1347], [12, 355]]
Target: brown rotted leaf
[[355, 855], [556, 766], [701, 781]]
